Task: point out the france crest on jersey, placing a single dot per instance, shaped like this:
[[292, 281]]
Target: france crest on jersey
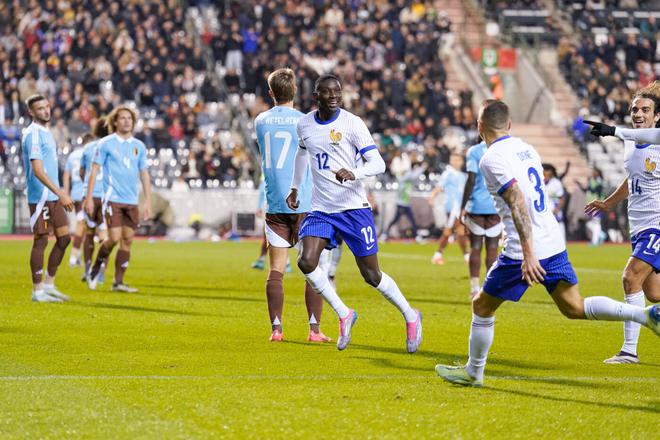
[[480, 202], [278, 142], [38, 143], [122, 161], [89, 153], [72, 166]]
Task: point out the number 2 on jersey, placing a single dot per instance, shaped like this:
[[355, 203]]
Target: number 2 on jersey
[[286, 137], [322, 159], [539, 205]]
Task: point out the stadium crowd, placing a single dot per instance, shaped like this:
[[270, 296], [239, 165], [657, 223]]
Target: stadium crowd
[[389, 56], [91, 55]]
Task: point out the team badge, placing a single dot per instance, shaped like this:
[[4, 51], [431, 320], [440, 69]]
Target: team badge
[[135, 151], [335, 136], [650, 166]]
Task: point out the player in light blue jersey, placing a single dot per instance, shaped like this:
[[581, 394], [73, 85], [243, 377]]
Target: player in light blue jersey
[[73, 185], [124, 162], [47, 201], [94, 224], [479, 215], [451, 183], [278, 141]]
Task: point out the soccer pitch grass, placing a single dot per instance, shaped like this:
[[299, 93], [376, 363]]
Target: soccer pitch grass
[[189, 357]]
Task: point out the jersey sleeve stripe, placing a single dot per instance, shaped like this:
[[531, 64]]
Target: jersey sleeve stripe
[[369, 148], [506, 186]]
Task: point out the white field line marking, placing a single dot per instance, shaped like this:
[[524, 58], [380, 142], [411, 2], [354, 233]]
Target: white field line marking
[[460, 260], [53, 377]]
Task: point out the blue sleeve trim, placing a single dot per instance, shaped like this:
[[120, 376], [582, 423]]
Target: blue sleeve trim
[[369, 148], [300, 146], [506, 186]]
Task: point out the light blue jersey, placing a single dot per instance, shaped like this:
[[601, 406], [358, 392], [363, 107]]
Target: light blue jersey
[[38, 143], [89, 152], [278, 143], [453, 182], [480, 202], [122, 161], [73, 168]]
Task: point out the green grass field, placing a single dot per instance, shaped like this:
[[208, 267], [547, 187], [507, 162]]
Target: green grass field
[[189, 357]]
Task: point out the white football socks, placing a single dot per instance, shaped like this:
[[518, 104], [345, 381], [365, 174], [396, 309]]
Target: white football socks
[[631, 329], [482, 333], [334, 260], [606, 309], [318, 279], [474, 284], [390, 290]]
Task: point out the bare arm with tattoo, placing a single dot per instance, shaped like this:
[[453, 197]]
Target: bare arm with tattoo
[[532, 270]]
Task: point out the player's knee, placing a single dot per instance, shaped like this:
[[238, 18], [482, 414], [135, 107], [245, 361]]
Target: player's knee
[[631, 281], [63, 241], [305, 264], [40, 242], [372, 277], [572, 309]]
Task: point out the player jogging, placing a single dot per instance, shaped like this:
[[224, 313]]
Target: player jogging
[[124, 162], [452, 182], [480, 216], [534, 251], [277, 139], [641, 277], [73, 185], [94, 223], [46, 200], [340, 151]]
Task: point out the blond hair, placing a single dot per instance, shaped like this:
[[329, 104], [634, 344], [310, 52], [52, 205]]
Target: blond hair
[[111, 120]]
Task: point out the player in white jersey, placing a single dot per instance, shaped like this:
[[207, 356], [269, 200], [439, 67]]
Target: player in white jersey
[[340, 151], [641, 278], [534, 251]]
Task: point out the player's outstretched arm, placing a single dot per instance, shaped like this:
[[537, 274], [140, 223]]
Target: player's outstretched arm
[[602, 206], [532, 270], [373, 166], [639, 135]]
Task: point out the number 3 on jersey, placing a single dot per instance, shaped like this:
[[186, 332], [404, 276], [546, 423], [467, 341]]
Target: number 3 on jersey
[[286, 137], [539, 205]]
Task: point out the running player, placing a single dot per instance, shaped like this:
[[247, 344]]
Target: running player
[[641, 278], [479, 215], [124, 162], [406, 184], [277, 137], [556, 195], [534, 251], [73, 185], [452, 182], [46, 200], [94, 223], [340, 151]]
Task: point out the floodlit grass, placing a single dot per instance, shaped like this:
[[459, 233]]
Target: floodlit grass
[[189, 357]]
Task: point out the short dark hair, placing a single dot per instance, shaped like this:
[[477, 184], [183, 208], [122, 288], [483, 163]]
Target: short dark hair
[[282, 82], [494, 115], [550, 167], [652, 92], [100, 129], [325, 77], [32, 99]]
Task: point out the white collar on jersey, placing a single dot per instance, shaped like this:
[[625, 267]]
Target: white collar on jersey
[[37, 126], [122, 140]]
